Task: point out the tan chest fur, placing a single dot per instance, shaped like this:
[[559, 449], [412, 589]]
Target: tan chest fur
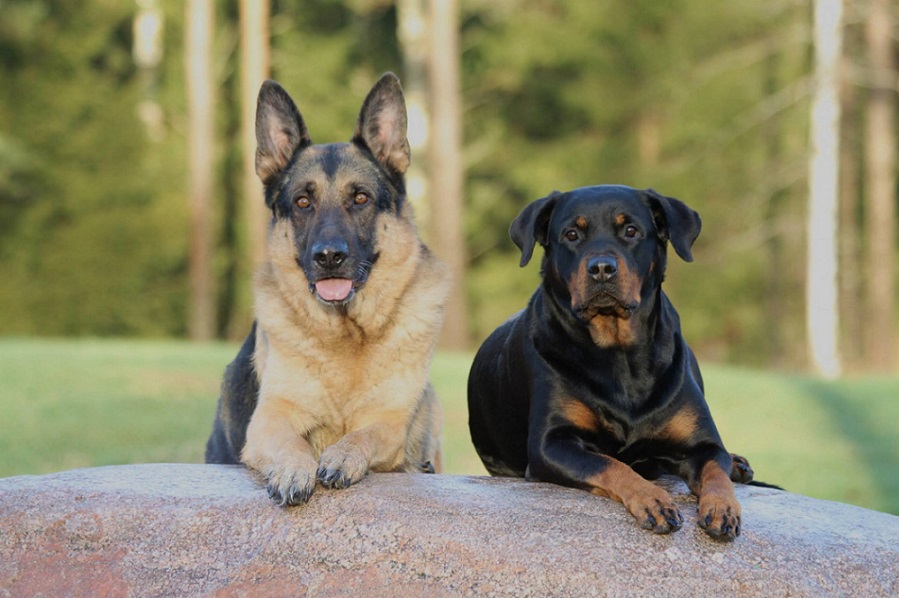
[[338, 367]]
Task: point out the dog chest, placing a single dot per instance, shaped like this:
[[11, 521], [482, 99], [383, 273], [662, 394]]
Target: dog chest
[[332, 386]]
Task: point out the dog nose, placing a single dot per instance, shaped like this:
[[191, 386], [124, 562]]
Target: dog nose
[[330, 255], [602, 268]]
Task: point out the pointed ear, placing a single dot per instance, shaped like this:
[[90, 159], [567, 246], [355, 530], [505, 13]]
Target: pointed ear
[[532, 224], [280, 131], [675, 222], [381, 126]]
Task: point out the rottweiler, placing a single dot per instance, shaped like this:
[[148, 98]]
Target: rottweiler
[[592, 385], [333, 380]]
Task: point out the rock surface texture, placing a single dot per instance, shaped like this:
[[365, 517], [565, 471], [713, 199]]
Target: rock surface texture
[[204, 530]]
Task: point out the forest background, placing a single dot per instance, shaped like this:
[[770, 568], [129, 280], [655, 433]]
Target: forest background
[[708, 102]]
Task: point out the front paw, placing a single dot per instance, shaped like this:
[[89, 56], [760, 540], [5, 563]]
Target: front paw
[[742, 472], [720, 516], [341, 465], [655, 510], [291, 485]]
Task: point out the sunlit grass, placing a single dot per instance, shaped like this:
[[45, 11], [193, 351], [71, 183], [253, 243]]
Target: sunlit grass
[[830, 440], [80, 403]]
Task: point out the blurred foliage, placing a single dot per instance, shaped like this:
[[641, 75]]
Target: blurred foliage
[[91, 210], [704, 101]]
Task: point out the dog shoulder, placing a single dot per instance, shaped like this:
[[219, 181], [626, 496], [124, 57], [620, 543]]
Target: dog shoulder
[[432, 279]]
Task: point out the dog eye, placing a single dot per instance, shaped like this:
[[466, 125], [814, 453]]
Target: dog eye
[[303, 202], [572, 235], [631, 231], [360, 199]]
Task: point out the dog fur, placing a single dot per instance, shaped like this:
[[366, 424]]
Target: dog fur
[[333, 380], [592, 385]]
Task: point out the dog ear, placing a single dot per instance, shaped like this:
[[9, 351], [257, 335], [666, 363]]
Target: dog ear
[[675, 222], [280, 131], [381, 126], [532, 224]]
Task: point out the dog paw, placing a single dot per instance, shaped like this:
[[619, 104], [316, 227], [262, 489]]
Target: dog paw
[[289, 486], [742, 472], [656, 511], [720, 517], [341, 465]]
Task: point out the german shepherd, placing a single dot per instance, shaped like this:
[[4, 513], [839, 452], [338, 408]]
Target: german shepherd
[[333, 380]]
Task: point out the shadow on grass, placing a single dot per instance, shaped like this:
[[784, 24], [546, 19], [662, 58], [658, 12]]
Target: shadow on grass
[[865, 412]]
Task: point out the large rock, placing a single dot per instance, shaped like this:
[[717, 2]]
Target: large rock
[[189, 530]]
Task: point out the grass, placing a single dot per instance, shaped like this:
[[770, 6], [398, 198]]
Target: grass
[[80, 403]]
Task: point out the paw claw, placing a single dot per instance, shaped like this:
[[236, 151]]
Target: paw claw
[[649, 522], [332, 478], [720, 522], [674, 522], [657, 512], [340, 467], [289, 488]]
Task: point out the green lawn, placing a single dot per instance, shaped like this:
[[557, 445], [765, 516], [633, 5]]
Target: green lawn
[[68, 404]]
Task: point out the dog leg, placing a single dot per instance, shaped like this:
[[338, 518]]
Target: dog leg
[[652, 506], [280, 453], [719, 511], [378, 447]]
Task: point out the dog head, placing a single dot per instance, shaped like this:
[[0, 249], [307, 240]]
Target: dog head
[[605, 246], [326, 198]]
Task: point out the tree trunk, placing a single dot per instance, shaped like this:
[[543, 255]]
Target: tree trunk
[[253, 216], [776, 275], [851, 257], [446, 164], [880, 174], [201, 323], [822, 316], [147, 49], [254, 69], [412, 31]]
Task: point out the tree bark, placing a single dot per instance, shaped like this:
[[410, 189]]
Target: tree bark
[[413, 34], [201, 322], [851, 254], [822, 314], [446, 164], [880, 174], [254, 69], [776, 275]]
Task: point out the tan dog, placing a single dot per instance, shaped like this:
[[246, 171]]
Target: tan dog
[[333, 380]]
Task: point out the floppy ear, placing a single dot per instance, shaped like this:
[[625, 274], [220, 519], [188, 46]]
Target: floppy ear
[[381, 126], [675, 221], [280, 131], [531, 225]]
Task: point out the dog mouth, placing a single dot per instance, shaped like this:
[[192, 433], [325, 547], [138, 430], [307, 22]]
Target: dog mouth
[[339, 289], [606, 303], [334, 290], [340, 286]]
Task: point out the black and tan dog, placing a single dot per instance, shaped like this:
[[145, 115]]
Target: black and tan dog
[[333, 380], [593, 385]]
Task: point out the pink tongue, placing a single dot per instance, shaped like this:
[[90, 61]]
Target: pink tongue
[[334, 289]]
